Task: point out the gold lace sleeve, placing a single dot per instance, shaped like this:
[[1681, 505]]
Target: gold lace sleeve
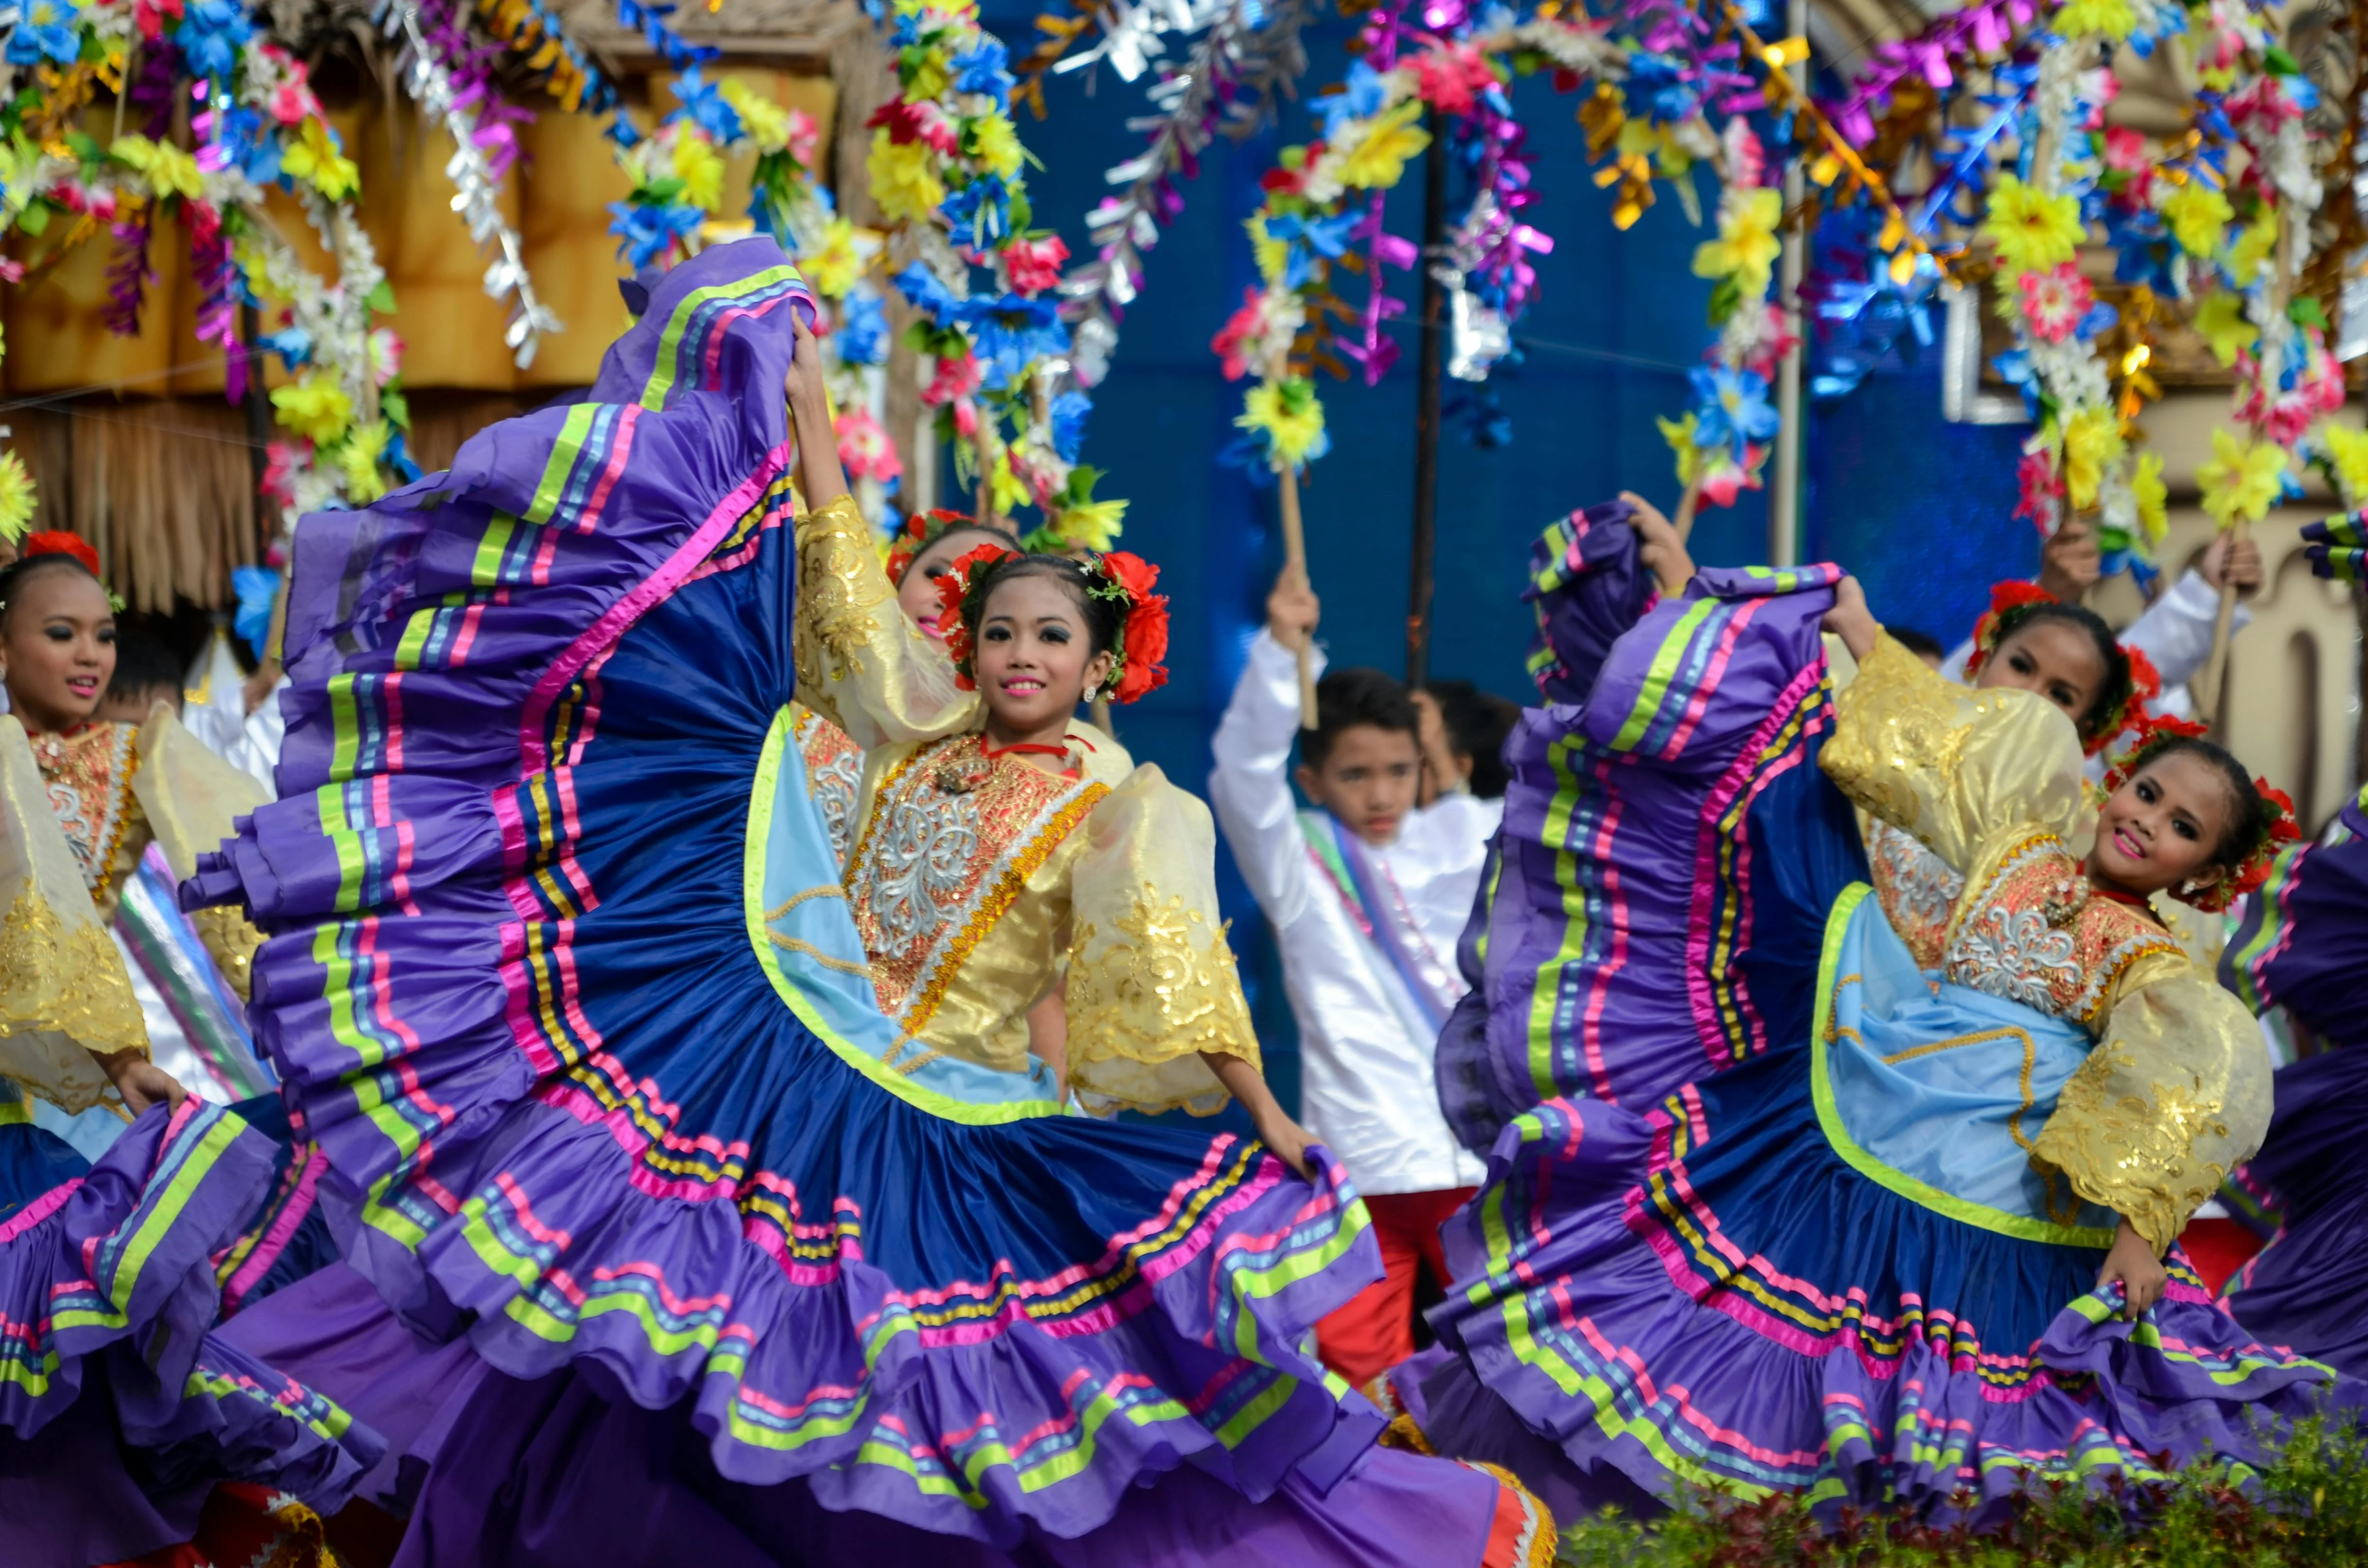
[[2175, 1095], [1950, 764], [861, 663], [1152, 983], [191, 797], [63, 992]]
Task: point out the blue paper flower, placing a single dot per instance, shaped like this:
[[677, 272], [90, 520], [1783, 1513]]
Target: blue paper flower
[[1326, 237], [863, 330], [925, 292], [211, 35], [705, 106], [644, 229], [980, 212], [1735, 411], [1012, 332], [1360, 98], [292, 344], [255, 587], [49, 30], [1657, 86], [980, 70], [1069, 410]]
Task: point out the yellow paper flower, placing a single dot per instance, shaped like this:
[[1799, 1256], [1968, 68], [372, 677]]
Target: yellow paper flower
[[19, 162], [168, 170], [2347, 454], [1273, 255], [315, 408], [1680, 435], [1289, 414], [901, 181], [1642, 138], [1747, 246], [2093, 441], [2115, 20], [1094, 526], [2147, 489], [699, 165], [767, 122], [314, 157], [2034, 231], [16, 497], [996, 146], [359, 458], [2253, 245], [1010, 490], [2220, 321], [832, 266], [2243, 479], [1380, 156], [2198, 216]]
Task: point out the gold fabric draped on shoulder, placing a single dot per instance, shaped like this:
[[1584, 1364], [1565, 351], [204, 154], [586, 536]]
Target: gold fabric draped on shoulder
[[63, 992], [1953, 766], [1152, 981], [190, 797], [2175, 1097], [861, 663]]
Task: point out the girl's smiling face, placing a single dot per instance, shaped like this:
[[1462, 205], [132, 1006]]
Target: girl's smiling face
[[1034, 661], [2164, 827], [59, 640]]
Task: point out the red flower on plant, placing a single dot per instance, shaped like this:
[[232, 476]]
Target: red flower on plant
[[1035, 264]]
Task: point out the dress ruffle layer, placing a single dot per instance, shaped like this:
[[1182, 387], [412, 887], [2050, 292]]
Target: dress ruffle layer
[[118, 1411], [524, 990]]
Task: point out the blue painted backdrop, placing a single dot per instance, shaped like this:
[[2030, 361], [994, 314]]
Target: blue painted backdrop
[[1918, 508]]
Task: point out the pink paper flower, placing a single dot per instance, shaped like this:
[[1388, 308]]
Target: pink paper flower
[[281, 461], [953, 378], [864, 449], [2054, 301], [2035, 474], [1451, 76], [1035, 264], [806, 137]]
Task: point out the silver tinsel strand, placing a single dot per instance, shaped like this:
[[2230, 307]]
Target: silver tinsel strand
[[476, 195]]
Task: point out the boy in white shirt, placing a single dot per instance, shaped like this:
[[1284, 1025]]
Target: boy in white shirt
[[1367, 896]]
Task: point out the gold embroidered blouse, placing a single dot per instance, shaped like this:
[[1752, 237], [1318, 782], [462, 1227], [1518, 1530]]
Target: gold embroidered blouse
[[982, 885], [2177, 1091], [78, 810]]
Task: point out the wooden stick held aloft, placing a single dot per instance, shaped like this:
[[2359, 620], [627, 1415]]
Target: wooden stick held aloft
[[1294, 553]]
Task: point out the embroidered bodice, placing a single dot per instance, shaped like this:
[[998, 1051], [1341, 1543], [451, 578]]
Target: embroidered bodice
[[958, 848], [1915, 887], [982, 885], [2176, 1091], [834, 774], [87, 771]]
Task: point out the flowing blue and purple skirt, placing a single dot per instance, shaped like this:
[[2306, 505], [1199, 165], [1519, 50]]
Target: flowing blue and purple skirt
[[2304, 946], [119, 1410], [561, 984], [1827, 1266]]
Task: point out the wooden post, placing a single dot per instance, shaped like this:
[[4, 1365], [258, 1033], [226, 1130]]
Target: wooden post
[[2214, 697], [1294, 553], [1426, 416]]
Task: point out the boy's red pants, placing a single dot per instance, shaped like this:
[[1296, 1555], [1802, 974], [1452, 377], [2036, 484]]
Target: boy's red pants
[[1375, 1331]]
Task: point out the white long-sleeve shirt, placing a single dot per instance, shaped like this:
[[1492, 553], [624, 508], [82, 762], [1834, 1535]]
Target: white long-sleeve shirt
[[1365, 1044]]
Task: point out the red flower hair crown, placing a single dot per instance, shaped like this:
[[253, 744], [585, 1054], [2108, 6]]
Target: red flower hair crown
[[921, 530], [1137, 661]]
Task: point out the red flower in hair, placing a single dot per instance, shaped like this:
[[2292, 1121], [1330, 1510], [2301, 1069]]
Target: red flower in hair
[[921, 530], [968, 575], [2004, 597], [1143, 643], [58, 543]]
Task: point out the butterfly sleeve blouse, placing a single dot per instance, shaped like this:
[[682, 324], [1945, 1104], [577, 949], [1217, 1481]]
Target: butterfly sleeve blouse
[[981, 883], [2177, 1091]]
